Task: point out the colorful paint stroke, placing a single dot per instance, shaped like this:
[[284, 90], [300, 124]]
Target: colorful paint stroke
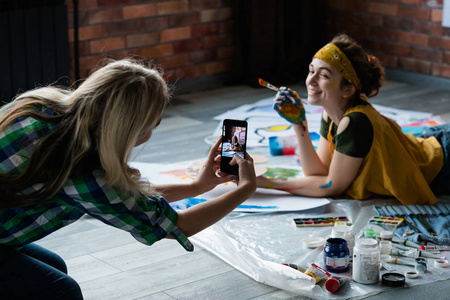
[[188, 202], [180, 173], [281, 173], [188, 174]]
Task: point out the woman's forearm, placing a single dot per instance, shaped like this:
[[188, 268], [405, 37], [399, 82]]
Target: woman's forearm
[[310, 161], [310, 186], [200, 216], [175, 192]]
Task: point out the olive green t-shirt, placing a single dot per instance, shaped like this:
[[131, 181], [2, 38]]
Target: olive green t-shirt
[[355, 140]]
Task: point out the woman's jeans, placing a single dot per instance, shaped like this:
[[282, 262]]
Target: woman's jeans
[[32, 272], [441, 184]]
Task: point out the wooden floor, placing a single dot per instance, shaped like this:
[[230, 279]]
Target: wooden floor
[[110, 264]]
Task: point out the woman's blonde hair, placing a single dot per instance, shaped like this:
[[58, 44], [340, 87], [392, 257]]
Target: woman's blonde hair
[[100, 121]]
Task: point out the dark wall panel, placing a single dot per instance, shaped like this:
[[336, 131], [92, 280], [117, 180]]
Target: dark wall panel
[[34, 49]]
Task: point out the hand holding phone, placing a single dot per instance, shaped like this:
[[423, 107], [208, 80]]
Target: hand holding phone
[[234, 142]]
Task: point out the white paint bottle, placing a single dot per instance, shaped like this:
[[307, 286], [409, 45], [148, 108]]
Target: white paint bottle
[[366, 261]]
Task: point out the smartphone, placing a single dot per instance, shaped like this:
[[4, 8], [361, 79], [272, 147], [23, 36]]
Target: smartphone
[[234, 142]]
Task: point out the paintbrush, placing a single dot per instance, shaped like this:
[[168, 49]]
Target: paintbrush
[[267, 85]]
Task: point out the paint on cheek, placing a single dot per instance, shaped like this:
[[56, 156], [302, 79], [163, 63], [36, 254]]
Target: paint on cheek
[[332, 85], [326, 185]]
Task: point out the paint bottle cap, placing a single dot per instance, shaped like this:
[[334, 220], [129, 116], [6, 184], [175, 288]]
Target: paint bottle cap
[[411, 273], [369, 232], [314, 242], [332, 284], [386, 235], [393, 279], [341, 231]]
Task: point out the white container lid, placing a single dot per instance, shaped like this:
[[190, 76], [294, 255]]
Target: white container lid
[[313, 242], [366, 242], [386, 234]]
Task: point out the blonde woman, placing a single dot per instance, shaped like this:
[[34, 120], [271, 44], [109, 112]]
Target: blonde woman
[[65, 153]]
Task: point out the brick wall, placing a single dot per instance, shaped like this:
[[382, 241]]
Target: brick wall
[[404, 34], [189, 39], [193, 39]]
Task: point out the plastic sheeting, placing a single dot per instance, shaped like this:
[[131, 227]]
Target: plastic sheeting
[[258, 243]]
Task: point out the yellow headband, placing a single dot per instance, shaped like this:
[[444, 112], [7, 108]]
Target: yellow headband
[[333, 56]]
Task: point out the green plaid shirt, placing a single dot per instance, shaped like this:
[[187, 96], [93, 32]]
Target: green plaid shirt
[[147, 219]]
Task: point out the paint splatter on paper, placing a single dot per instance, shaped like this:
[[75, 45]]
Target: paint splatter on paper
[[281, 173], [188, 202]]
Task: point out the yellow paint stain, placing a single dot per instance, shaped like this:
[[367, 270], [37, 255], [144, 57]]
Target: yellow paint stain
[[278, 127], [269, 186]]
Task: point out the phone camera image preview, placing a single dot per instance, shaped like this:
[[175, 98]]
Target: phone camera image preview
[[233, 141]]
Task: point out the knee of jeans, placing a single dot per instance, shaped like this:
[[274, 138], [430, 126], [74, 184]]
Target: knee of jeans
[[59, 263], [67, 288]]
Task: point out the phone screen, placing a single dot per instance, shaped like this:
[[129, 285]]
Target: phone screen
[[234, 142]]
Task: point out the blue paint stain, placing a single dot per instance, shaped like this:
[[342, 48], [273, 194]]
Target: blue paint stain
[[257, 207], [326, 185], [188, 202], [314, 136]]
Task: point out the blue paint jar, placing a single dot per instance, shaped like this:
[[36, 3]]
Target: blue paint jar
[[336, 256], [275, 145]]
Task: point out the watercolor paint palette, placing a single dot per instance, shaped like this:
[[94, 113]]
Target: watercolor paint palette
[[380, 220], [321, 221]]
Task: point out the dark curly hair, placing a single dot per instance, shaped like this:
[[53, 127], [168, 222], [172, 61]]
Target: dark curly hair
[[367, 67]]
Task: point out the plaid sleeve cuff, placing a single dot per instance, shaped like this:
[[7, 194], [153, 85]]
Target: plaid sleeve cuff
[[169, 223], [163, 225]]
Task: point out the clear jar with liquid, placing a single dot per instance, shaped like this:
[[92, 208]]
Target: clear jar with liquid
[[366, 261]]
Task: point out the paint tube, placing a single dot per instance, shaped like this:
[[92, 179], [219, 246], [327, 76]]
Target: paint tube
[[394, 260], [435, 247], [334, 283], [294, 266], [414, 253], [317, 272]]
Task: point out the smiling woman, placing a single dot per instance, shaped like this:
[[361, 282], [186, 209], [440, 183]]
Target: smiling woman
[[361, 153]]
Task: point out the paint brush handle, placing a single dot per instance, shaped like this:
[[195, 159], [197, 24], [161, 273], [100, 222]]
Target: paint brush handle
[[264, 83], [425, 224]]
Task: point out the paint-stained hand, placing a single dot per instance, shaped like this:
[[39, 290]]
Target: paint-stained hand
[[289, 106]]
